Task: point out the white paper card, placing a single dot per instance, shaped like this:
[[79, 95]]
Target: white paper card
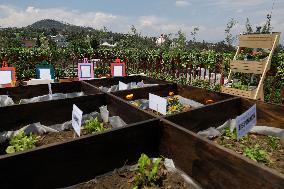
[[158, 103], [117, 71], [44, 73], [49, 89], [85, 71], [5, 77], [245, 122], [122, 86], [77, 115]]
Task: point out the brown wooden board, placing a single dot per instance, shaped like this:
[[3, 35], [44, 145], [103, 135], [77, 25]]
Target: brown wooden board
[[107, 82], [25, 92], [215, 115], [59, 111]]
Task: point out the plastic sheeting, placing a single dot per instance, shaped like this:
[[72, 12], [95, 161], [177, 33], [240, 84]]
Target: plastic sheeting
[[54, 96], [132, 85], [261, 130], [5, 100]]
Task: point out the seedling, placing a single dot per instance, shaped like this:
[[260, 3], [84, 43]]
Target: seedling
[[273, 142], [257, 154], [22, 142], [146, 173], [93, 126]]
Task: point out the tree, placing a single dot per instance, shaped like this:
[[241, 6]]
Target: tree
[[194, 33], [248, 27], [229, 36]]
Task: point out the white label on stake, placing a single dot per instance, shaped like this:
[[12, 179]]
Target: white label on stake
[[5, 77], [158, 103], [77, 115], [245, 122], [86, 71], [44, 73], [49, 89], [122, 86], [117, 71]]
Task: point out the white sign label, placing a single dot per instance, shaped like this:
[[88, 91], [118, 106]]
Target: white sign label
[[117, 71], [86, 71], [245, 122], [158, 103], [122, 86], [5, 77], [44, 73], [49, 89], [77, 115]]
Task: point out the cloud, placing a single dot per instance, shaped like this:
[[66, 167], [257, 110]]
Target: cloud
[[182, 3], [14, 17]]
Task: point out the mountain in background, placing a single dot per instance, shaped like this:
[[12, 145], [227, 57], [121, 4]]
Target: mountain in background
[[49, 24]]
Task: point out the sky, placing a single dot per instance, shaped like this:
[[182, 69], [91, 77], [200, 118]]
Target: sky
[[150, 17]]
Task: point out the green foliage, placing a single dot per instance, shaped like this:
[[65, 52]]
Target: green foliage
[[273, 142], [93, 126], [239, 85], [146, 173], [22, 142], [257, 154], [230, 135]]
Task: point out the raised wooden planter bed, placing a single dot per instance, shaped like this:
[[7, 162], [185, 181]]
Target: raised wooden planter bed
[[83, 159], [59, 111], [26, 92], [215, 115], [197, 94]]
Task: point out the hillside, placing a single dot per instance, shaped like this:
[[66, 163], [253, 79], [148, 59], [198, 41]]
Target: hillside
[[49, 24]]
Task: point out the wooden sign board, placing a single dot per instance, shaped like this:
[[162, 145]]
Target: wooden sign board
[[7, 76], [85, 70], [45, 71], [118, 69]]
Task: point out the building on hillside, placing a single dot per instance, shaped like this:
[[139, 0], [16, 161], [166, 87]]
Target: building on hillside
[[107, 42], [160, 40]]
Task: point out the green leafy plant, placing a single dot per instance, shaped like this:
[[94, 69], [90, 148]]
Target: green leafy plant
[[93, 126], [257, 154], [22, 142], [146, 173], [273, 142], [230, 135]]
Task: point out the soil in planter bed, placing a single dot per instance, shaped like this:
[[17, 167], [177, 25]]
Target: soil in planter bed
[[124, 180], [50, 138], [272, 146]]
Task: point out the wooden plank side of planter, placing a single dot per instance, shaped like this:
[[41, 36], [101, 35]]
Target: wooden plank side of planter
[[216, 114], [257, 40], [256, 67], [26, 92], [267, 114], [209, 116], [23, 92], [80, 160], [214, 167], [201, 95], [107, 82], [75, 86], [47, 112], [59, 111], [143, 93]]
